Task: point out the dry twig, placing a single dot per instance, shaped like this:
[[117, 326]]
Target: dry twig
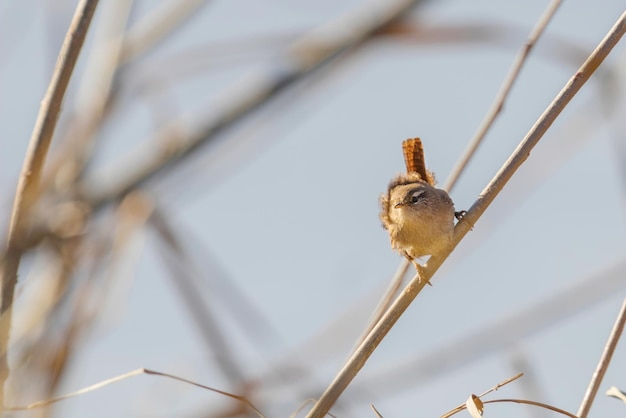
[[493, 389], [527, 402], [500, 335], [28, 186], [125, 376], [603, 364]]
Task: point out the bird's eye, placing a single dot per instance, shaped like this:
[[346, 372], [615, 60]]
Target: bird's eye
[[416, 196]]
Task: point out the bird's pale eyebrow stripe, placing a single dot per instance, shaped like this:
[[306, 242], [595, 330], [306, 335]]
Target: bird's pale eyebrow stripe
[[417, 189]]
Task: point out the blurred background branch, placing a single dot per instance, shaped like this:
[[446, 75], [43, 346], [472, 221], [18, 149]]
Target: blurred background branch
[[209, 203]]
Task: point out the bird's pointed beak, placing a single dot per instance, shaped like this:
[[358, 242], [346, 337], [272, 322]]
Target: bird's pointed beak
[[399, 205]]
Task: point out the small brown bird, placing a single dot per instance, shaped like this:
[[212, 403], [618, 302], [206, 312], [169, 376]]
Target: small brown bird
[[418, 216]]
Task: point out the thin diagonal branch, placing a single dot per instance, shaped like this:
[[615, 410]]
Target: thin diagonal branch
[[28, 185], [603, 365], [128, 375], [505, 89], [385, 301], [540, 315], [521, 153]]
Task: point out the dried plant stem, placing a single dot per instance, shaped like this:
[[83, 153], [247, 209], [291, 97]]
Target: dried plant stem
[[521, 153], [128, 375], [493, 389], [603, 365], [505, 89], [526, 402], [501, 335], [96, 93], [30, 176]]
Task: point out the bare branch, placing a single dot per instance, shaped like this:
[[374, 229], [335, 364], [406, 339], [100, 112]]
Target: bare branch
[[603, 364], [125, 376], [493, 389], [28, 186], [526, 402]]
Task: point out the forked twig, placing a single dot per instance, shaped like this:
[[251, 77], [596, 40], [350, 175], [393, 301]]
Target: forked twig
[[493, 389], [360, 356], [28, 185], [524, 401], [603, 364]]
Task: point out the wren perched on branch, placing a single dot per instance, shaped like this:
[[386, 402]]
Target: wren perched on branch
[[418, 216]]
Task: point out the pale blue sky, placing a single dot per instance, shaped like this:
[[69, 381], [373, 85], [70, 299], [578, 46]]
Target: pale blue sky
[[290, 213]]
